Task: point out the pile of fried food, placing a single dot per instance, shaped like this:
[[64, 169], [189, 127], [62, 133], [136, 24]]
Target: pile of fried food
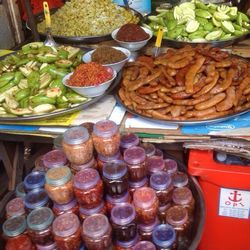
[[198, 83]]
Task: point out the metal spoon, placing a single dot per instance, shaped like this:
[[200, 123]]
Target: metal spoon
[[49, 39]]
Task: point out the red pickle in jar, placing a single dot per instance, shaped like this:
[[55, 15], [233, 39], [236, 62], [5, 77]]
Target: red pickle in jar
[[84, 212], [106, 138], [39, 226], [126, 245], [76, 168], [135, 185], [171, 166], [128, 141], [67, 232], [97, 232], [144, 245], [15, 207], [34, 180], [145, 231], [59, 185], [162, 184], [123, 221], [135, 158], [71, 207], [146, 205], [115, 178], [54, 158], [77, 145], [20, 191], [88, 188], [149, 148], [51, 246], [154, 164], [180, 179]]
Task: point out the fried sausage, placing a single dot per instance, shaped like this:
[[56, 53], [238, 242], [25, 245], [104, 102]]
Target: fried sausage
[[190, 102], [227, 103], [211, 102], [201, 113], [244, 83], [148, 90]]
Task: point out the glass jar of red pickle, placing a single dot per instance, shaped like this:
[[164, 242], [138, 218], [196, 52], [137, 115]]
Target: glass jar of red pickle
[[129, 140], [59, 185], [171, 166], [88, 188], [76, 168], [15, 207], [144, 245], [135, 159], [146, 205], [85, 212], [106, 138], [180, 179], [14, 233], [154, 164], [71, 207], [51, 246], [97, 232], [146, 230], [135, 185], [77, 145], [149, 148], [126, 245], [34, 180], [39, 226], [54, 158], [67, 232]]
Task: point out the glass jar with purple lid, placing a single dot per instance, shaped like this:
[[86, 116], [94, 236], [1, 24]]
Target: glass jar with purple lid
[[35, 199], [146, 230], [59, 185], [34, 180], [76, 168], [71, 207], [135, 158], [51, 246], [106, 137], [183, 196], [115, 178], [135, 185], [67, 232], [97, 232], [171, 166], [39, 226], [54, 158], [159, 153], [144, 245], [15, 207], [146, 205], [164, 237], [78, 145], [154, 164], [129, 140], [126, 245], [149, 148], [180, 179], [162, 184], [123, 221], [20, 191], [113, 201], [88, 188], [85, 212]]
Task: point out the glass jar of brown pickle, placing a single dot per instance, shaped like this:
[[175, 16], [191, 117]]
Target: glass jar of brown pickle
[[88, 188], [59, 185], [67, 232], [76, 168], [96, 232], [149, 148], [39, 226], [180, 179], [129, 140], [86, 212], [106, 137], [77, 145], [71, 207], [154, 164], [15, 207], [171, 166], [54, 158], [135, 158], [146, 230], [135, 185], [146, 205]]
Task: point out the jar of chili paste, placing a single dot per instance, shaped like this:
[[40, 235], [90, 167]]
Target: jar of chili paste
[[154, 164], [171, 166], [149, 148], [129, 140], [71, 207], [54, 158], [180, 179], [86, 212], [135, 185], [126, 245], [34, 180], [144, 245], [15, 207], [146, 230], [76, 168], [51, 246]]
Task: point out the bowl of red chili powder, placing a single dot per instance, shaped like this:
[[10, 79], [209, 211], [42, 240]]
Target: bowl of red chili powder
[[132, 36], [90, 79]]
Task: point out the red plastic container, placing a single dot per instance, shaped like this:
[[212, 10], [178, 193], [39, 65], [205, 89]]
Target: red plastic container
[[226, 191]]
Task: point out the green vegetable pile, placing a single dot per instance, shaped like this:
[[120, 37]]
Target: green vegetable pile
[[198, 22], [31, 80]]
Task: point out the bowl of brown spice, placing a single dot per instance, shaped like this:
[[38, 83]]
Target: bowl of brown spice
[[132, 36], [113, 57]]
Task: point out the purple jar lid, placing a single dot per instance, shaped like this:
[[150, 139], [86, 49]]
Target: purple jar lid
[[182, 196], [58, 176], [159, 153], [129, 140], [128, 244], [120, 199], [65, 225], [171, 166], [164, 235], [34, 180], [123, 214], [149, 148], [149, 227], [89, 164], [91, 211], [51, 246], [176, 216], [144, 245], [75, 135], [160, 180], [138, 184], [95, 225], [155, 164], [134, 155], [117, 156], [144, 197], [20, 191], [105, 128], [180, 179], [36, 198], [15, 207], [65, 207], [14, 226], [114, 170], [54, 158], [86, 178]]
